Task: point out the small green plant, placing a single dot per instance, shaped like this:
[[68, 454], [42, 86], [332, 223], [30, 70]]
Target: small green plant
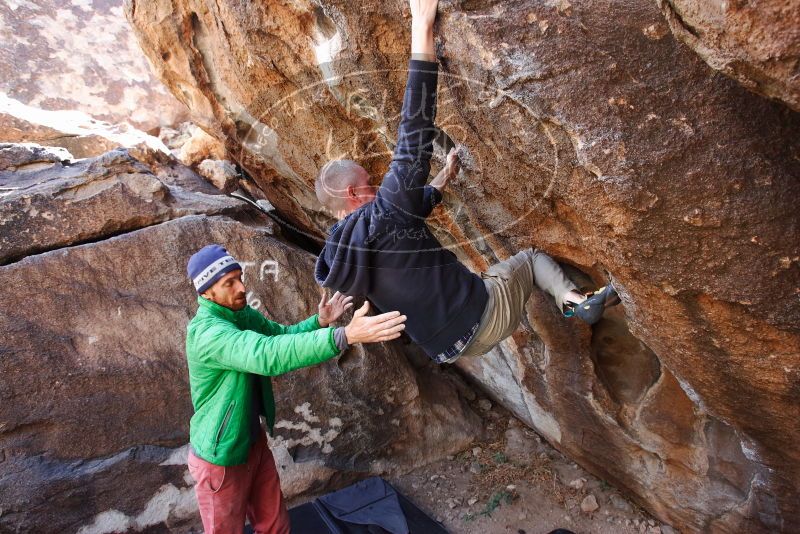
[[497, 498], [500, 458]]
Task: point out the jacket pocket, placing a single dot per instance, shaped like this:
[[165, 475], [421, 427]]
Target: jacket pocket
[[221, 430]]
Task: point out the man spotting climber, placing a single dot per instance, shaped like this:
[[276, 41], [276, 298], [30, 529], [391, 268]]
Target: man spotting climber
[[232, 350], [382, 248]]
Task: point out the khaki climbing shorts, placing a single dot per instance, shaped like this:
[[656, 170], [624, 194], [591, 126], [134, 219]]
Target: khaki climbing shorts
[[510, 284]]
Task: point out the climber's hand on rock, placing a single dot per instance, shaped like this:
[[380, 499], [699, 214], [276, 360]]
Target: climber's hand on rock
[[449, 170], [384, 327], [423, 13], [453, 164]]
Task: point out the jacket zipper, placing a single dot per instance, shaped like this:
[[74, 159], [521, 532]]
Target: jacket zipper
[[222, 427]]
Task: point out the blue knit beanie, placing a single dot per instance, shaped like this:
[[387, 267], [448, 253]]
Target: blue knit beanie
[[208, 265]]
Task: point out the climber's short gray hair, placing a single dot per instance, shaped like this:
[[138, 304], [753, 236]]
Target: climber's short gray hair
[[333, 180]]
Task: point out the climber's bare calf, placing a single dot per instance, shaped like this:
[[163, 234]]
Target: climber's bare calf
[[382, 248]]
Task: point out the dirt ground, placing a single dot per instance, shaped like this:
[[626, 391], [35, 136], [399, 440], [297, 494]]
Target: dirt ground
[[514, 482]]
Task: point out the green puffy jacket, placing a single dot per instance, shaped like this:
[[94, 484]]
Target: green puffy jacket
[[227, 352]]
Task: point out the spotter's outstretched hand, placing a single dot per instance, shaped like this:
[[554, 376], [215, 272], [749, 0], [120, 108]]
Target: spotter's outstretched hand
[[331, 310], [384, 327]]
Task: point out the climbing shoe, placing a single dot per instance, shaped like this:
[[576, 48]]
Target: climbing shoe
[[568, 309], [591, 310]]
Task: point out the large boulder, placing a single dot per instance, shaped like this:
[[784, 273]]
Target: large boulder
[[94, 401], [756, 43], [50, 204], [80, 56], [18, 130], [594, 135]]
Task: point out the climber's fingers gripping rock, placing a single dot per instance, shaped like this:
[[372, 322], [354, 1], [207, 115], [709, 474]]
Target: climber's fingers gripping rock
[[449, 171], [423, 12]]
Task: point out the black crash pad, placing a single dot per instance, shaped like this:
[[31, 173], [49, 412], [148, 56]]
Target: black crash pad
[[371, 506]]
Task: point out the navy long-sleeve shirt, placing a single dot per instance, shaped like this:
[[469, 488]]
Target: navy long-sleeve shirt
[[384, 250]]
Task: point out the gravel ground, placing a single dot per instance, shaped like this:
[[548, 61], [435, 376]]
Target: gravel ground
[[513, 481]]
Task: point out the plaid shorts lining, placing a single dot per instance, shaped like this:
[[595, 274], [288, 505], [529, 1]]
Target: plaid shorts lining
[[456, 348]]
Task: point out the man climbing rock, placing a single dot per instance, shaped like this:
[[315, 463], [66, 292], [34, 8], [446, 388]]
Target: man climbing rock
[[232, 350], [382, 248]]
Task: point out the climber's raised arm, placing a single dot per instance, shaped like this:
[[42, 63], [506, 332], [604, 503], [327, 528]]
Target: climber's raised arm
[[382, 248], [423, 14], [403, 187]]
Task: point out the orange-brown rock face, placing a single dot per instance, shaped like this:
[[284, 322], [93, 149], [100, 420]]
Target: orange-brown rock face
[[757, 43], [593, 135]]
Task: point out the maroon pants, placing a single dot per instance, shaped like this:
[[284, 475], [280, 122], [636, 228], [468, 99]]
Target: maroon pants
[[226, 495]]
